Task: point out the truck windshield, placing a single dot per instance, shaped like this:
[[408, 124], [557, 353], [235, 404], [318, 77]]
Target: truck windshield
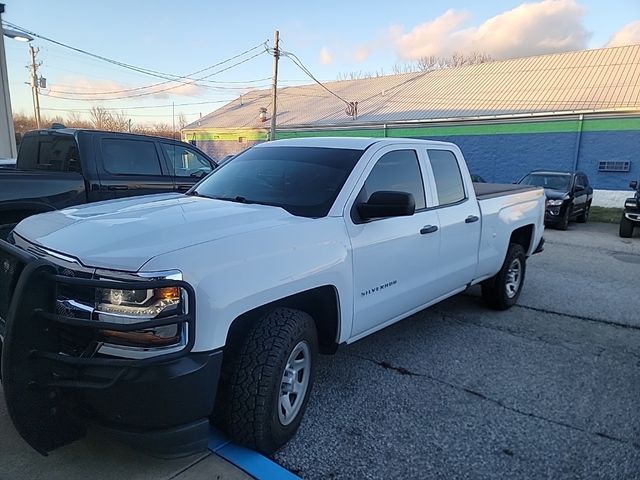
[[552, 181], [305, 181]]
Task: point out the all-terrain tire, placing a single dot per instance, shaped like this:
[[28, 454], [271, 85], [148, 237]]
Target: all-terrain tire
[[250, 393], [626, 227], [501, 292]]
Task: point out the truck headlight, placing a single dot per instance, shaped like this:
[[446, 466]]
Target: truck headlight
[[132, 306], [145, 304], [630, 204], [554, 203]]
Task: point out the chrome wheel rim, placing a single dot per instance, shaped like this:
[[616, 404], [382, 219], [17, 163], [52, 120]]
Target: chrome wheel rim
[[295, 383], [514, 278]]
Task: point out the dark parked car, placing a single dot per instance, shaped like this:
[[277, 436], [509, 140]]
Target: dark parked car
[[631, 215], [569, 195], [62, 167]]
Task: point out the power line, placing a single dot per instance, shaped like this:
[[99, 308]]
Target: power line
[[139, 107], [155, 92], [166, 76], [112, 92], [294, 58]]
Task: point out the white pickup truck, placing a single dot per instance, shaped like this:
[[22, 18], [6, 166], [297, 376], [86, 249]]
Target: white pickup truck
[[151, 316]]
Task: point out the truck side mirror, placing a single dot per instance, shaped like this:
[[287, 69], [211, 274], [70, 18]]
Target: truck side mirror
[[633, 184], [385, 204]]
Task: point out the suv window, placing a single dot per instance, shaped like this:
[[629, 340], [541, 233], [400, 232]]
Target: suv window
[[186, 162], [130, 157], [446, 173], [54, 153], [397, 171], [581, 182]]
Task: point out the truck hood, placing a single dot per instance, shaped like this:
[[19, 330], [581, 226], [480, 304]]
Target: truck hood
[[125, 234]]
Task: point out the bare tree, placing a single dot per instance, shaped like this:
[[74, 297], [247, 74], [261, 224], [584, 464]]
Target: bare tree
[[100, 118], [182, 121], [457, 59]]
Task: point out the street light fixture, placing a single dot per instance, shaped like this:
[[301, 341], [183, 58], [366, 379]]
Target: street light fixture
[[19, 36]]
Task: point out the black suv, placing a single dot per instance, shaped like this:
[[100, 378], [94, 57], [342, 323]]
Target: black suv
[[631, 215], [569, 195]]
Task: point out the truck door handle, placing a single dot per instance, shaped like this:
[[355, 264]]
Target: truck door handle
[[428, 229], [184, 188], [471, 219], [117, 187]]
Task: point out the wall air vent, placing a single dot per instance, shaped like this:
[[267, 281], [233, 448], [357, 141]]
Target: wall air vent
[[614, 166]]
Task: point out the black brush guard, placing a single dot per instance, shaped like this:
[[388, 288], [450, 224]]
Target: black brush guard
[[36, 370]]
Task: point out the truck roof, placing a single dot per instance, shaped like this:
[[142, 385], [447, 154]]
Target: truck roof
[[359, 143]]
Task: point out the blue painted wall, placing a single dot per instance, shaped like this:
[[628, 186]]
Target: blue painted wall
[[506, 158]]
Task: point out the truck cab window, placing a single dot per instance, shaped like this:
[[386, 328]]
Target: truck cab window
[[448, 178], [52, 153], [130, 157], [186, 162], [397, 171]]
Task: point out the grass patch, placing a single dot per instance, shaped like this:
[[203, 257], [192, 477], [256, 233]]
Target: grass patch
[[605, 215]]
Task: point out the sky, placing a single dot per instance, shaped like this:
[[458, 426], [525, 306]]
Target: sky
[[332, 38]]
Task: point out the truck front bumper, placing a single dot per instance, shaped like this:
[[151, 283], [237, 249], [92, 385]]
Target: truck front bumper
[[55, 383], [161, 409]]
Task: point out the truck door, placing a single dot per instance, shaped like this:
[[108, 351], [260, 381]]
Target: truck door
[[459, 218], [394, 259], [132, 166]]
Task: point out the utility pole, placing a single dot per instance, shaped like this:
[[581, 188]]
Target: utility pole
[[274, 96], [34, 84]]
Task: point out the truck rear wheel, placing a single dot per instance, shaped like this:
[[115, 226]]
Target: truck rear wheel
[[626, 227], [502, 291], [270, 376]]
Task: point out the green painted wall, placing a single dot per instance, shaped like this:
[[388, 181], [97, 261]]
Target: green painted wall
[[546, 126]]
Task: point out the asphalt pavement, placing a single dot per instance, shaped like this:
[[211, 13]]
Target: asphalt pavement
[[548, 389]]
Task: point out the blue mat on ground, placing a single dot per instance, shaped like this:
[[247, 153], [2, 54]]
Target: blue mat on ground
[[253, 463]]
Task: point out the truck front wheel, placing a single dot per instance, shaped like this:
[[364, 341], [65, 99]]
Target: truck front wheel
[[270, 376], [502, 291]]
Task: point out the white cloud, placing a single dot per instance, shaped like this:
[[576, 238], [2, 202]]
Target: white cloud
[[547, 26], [325, 56], [627, 35], [82, 87]]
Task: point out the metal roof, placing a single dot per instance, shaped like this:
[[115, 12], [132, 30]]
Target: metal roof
[[599, 80], [358, 143]]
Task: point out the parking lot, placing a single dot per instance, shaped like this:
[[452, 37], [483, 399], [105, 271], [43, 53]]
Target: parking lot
[[548, 389]]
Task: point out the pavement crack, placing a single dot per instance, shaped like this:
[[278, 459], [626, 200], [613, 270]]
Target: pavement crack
[[579, 317], [400, 370], [572, 346], [499, 403]]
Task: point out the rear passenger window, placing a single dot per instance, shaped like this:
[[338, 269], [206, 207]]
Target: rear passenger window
[[130, 157], [52, 153], [397, 171], [446, 173]]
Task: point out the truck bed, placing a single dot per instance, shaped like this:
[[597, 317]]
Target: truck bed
[[491, 190]]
